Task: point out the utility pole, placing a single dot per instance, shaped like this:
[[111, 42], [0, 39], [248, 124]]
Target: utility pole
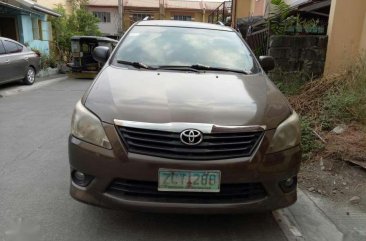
[[162, 9], [120, 17]]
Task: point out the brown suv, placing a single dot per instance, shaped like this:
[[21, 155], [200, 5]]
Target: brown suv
[[182, 118]]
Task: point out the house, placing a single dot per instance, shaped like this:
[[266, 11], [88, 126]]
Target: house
[[136, 10], [345, 25], [346, 34], [27, 22], [261, 8]]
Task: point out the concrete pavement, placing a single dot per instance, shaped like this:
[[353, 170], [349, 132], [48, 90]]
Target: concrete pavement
[[34, 182]]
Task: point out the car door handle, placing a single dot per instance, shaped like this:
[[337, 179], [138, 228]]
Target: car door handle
[[26, 58], [7, 61]]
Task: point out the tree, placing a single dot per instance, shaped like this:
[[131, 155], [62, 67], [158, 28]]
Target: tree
[[80, 22]]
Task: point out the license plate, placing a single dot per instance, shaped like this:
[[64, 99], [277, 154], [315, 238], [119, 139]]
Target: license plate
[[189, 180]]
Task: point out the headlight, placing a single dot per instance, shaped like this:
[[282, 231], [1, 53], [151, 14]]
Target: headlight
[[287, 135], [87, 127]]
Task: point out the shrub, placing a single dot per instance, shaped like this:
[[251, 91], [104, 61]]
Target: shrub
[[347, 102], [289, 83]]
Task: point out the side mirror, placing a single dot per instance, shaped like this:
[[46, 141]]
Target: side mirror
[[267, 63], [101, 54]]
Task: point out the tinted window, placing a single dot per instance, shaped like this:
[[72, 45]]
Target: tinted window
[[2, 50], [156, 45], [12, 47]]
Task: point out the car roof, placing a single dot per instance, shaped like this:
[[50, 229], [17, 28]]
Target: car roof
[[183, 24], [11, 40]]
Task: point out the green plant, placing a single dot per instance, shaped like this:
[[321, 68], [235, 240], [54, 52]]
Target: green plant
[[309, 143], [48, 61], [79, 22], [44, 62], [278, 20], [289, 83], [36, 51], [347, 102], [311, 25]]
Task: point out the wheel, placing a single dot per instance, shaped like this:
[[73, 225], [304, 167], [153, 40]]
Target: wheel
[[30, 76]]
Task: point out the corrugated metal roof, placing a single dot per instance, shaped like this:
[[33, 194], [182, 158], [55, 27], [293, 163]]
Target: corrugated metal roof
[[141, 3], [172, 4]]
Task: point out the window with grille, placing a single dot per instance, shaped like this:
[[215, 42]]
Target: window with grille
[[104, 17], [182, 18]]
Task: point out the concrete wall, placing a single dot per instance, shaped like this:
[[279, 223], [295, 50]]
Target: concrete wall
[[299, 53], [347, 33], [107, 28]]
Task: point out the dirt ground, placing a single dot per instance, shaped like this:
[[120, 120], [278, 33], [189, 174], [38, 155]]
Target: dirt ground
[[332, 173]]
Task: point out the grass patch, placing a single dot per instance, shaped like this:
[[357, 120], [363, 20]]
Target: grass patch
[[289, 83], [309, 142], [326, 102], [347, 103]]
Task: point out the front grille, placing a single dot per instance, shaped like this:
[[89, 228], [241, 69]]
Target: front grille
[[229, 193], [167, 144]]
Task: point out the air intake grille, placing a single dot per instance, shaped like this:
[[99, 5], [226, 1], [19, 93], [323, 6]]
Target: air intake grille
[[241, 192], [167, 144]]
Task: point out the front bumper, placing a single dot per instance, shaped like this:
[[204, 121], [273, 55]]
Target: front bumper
[[107, 165]]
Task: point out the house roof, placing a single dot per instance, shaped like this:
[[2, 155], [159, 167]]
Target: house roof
[[126, 3], [32, 5], [172, 4], [141, 3], [212, 5]]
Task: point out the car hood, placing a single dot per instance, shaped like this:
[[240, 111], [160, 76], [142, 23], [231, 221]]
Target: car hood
[[220, 98]]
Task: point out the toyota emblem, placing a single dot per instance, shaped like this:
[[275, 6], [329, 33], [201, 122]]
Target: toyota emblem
[[191, 137]]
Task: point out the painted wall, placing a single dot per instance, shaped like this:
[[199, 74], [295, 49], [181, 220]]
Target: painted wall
[[107, 28], [243, 8], [347, 34], [363, 36], [53, 4], [26, 33], [258, 7]]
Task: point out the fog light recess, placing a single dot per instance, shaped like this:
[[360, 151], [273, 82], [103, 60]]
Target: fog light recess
[[81, 179], [289, 184]]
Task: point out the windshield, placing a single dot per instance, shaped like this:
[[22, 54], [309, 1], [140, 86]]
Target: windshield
[[173, 46]]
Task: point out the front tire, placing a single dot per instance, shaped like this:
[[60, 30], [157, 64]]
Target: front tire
[[30, 77]]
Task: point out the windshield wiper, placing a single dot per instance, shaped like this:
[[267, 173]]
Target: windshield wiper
[[138, 65], [198, 67], [178, 67], [204, 67]]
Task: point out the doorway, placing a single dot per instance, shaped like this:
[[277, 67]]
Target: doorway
[[8, 28]]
